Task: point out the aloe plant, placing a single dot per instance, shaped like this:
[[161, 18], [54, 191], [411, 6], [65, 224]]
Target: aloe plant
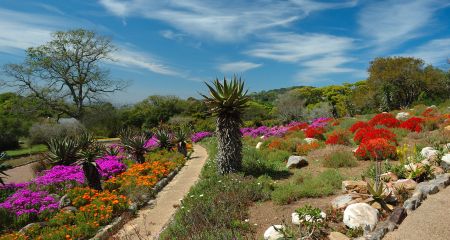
[[86, 160], [134, 142], [227, 101], [377, 191], [3, 168], [181, 138], [165, 139], [62, 150]]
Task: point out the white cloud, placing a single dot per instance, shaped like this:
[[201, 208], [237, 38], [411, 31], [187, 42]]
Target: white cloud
[[237, 67], [291, 47], [436, 52], [220, 20], [390, 23], [169, 34]]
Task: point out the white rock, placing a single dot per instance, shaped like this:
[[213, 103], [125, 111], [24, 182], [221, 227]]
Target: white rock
[[445, 163], [258, 145], [360, 215], [272, 233], [410, 167], [403, 116], [408, 184], [311, 140], [429, 152], [295, 218], [296, 162], [262, 137], [341, 201]]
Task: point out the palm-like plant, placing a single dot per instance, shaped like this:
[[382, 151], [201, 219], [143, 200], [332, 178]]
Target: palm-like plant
[[165, 139], [63, 150], [133, 143], [3, 168], [87, 157], [181, 137], [227, 101]]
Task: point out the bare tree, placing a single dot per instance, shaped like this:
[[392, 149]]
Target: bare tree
[[290, 106], [66, 73]]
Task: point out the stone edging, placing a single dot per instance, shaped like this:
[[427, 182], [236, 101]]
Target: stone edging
[[110, 229], [421, 192]]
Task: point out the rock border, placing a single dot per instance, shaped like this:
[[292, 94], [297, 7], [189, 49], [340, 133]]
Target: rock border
[[421, 192], [109, 230]]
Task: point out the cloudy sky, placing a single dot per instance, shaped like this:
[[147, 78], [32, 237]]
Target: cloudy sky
[[172, 46]]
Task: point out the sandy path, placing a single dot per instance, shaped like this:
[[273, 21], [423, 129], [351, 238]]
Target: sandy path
[[20, 174], [150, 221], [430, 221]]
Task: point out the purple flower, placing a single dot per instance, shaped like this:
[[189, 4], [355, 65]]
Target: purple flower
[[152, 143], [25, 201], [320, 122], [109, 166], [60, 174], [14, 186], [196, 137]]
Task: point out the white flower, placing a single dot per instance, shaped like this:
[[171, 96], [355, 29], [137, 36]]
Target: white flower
[[246, 220], [201, 195]]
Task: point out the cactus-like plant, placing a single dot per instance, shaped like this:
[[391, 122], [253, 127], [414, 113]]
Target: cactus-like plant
[[181, 136], [62, 150], [165, 139], [87, 157], [227, 101], [134, 142]]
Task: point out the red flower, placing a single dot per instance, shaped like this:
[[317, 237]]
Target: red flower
[[385, 119], [358, 125], [298, 127], [413, 124], [430, 112], [366, 134], [314, 132], [338, 137], [377, 148]]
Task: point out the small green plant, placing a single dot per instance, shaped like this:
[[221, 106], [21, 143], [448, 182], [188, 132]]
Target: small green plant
[[63, 150], [87, 158], [355, 232], [377, 192], [181, 136], [339, 159], [134, 144], [165, 138]]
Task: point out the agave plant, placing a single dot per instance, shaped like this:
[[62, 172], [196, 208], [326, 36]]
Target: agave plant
[[112, 150], [181, 137], [377, 192], [3, 168], [133, 143], [62, 150], [86, 160], [165, 138], [227, 101]]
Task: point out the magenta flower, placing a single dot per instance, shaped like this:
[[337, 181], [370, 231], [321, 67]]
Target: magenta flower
[[196, 137], [25, 201], [109, 166]]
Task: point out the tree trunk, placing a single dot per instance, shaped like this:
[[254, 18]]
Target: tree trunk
[[139, 158], [229, 155], [92, 176], [182, 148]]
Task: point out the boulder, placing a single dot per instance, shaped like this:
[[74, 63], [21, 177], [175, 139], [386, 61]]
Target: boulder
[[402, 116], [342, 201], [429, 153], [31, 225], [397, 215], [258, 145], [408, 184], [296, 162], [445, 162], [337, 236], [361, 215], [272, 233], [64, 201], [447, 128], [310, 140], [350, 186], [437, 170]]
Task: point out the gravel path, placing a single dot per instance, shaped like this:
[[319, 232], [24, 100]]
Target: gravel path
[[20, 174], [430, 221], [150, 221]]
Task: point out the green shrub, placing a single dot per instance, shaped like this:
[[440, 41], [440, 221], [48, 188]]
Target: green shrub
[[307, 186], [339, 159], [41, 133], [400, 133], [257, 163]]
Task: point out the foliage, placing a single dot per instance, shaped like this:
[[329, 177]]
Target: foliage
[[41, 133], [63, 150], [307, 186], [289, 107], [134, 143], [339, 159], [315, 132]]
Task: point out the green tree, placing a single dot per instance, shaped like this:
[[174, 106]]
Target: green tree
[[66, 73], [227, 101], [290, 106]]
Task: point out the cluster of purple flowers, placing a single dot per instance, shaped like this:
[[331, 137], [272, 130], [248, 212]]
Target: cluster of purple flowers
[[109, 166], [264, 131], [200, 135], [60, 174], [319, 122], [25, 201], [14, 186], [153, 142]]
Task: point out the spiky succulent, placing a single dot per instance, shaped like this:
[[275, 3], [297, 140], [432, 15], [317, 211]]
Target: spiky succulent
[[134, 144], [181, 136], [227, 98], [86, 159], [165, 138], [63, 150]]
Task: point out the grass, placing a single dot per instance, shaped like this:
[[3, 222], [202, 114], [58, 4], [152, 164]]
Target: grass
[[305, 185], [23, 151], [338, 159]]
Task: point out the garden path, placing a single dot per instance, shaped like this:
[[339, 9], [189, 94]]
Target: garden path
[[20, 174], [429, 221], [150, 221]]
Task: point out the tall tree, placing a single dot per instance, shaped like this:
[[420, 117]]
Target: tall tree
[[227, 101], [66, 73]]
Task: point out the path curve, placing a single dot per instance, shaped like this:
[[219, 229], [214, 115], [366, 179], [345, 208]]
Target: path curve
[[150, 221], [429, 221], [20, 174]]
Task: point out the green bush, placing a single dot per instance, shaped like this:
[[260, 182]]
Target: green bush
[[41, 133], [339, 159], [10, 131], [307, 186], [256, 163]]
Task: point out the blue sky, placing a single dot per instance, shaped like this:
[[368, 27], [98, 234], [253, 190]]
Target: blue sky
[[172, 46]]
